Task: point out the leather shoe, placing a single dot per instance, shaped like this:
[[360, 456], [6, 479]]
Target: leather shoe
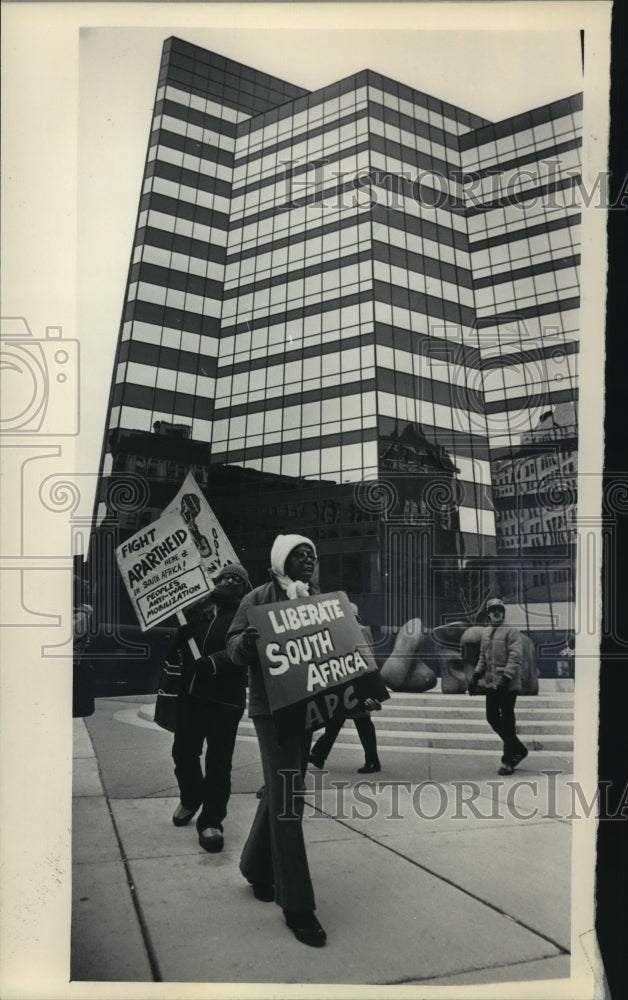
[[316, 761], [305, 928], [518, 757], [182, 815], [211, 839], [506, 769], [263, 891], [369, 769]]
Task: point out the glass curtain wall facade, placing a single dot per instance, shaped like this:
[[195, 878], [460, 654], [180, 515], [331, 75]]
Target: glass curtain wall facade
[[523, 217], [317, 275], [167, 357]]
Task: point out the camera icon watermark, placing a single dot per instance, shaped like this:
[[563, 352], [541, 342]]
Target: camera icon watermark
[[40, 381]]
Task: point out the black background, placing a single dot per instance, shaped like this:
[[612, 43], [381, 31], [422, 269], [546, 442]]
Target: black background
[[612, 858]]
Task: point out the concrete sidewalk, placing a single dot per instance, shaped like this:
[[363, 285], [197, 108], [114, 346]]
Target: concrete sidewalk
[[426, 873]]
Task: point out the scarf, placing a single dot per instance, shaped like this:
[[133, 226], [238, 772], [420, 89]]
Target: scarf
[[293, 588]]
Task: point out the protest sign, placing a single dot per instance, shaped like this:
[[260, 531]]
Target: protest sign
[[211, 541], [315, 661], [162, 569]]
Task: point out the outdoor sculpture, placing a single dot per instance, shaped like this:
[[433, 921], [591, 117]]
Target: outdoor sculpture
[[403, 671], [455, 648], [452, 656]]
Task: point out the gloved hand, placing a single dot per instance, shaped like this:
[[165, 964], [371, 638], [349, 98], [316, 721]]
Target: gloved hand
[[249, 639], [473, 684], [186, 632], [371, 705], [503, 683], [206, 665]]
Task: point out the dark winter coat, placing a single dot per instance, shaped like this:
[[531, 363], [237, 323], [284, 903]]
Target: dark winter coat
[[268, 593], [215, 677]]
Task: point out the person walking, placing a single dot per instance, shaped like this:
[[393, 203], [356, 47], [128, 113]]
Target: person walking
[[274, 859], [211, 702], [499, 664], [366, 731], [361, 718], [82, 676]]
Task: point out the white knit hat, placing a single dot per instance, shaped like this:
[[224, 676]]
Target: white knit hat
[[282, 547]]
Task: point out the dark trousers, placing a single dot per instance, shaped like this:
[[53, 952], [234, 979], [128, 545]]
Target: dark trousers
[[500, 715], [366, 732], [275, 849], [82, 688], [216, 725]]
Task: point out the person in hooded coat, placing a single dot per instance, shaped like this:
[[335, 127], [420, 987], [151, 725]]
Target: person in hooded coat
[[274, 859], [211, 702], [499, 666]]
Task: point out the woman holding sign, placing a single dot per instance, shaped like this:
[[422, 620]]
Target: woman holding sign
[[274, 860]]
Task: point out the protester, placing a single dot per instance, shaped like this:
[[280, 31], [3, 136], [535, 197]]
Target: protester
[[274, 860], [366, 731], [499, 664], [361, 718], [211, 702], [82, 678]]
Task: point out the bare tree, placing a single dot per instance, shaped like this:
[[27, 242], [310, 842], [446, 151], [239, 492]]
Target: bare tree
[[472, 594]]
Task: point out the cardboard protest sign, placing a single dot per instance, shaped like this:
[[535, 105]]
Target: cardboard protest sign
[[315, 661], [162, 569], [211, 541]]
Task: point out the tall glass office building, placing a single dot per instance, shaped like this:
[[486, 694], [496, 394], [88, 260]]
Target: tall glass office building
[[362, 287]]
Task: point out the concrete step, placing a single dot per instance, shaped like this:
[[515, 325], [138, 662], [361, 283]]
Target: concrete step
[[459, 722], [434, 700], [461, 725], [455, 723], [484, 740], [475, 711]]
